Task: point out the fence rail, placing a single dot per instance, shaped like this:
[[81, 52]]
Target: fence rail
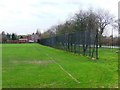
[[84, 42]]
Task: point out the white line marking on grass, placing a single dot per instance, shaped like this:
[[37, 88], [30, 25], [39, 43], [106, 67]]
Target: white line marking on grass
[[64, 70]]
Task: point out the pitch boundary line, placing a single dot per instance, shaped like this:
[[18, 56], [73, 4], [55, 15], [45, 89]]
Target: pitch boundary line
[[64, 70]]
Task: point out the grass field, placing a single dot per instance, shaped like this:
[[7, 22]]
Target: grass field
[[37, 66]]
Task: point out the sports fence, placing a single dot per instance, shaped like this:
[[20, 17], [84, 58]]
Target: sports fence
[[83, 42]]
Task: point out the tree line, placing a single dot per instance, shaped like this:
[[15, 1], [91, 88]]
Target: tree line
[[93, 20], [6, 37]]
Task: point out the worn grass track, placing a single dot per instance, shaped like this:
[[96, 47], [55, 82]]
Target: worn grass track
[[31, 66]]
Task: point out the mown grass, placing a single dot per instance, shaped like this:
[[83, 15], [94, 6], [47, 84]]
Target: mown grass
[[32, 66]]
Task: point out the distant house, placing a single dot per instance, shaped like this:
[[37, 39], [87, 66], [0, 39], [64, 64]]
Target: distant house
[[23, 40], [30, 38], [33, 38]]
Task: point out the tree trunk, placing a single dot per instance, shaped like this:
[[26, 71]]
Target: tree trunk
[[100, 37], [100, 44]]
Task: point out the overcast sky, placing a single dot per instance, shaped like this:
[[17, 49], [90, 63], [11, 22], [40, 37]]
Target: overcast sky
[[26, 16]]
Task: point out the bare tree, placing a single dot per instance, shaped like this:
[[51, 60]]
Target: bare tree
[[47, 34], [105, 19], [4, 37]]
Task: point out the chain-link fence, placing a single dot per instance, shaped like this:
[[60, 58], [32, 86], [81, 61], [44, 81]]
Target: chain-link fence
[[83, 42]]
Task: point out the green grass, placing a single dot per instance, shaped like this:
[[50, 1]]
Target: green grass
[[32, 66]]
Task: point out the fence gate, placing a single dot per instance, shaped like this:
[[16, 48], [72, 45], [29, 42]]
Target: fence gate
[[83, 42]]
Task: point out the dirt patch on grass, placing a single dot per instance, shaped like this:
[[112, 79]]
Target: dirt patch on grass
[[42, 62]]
